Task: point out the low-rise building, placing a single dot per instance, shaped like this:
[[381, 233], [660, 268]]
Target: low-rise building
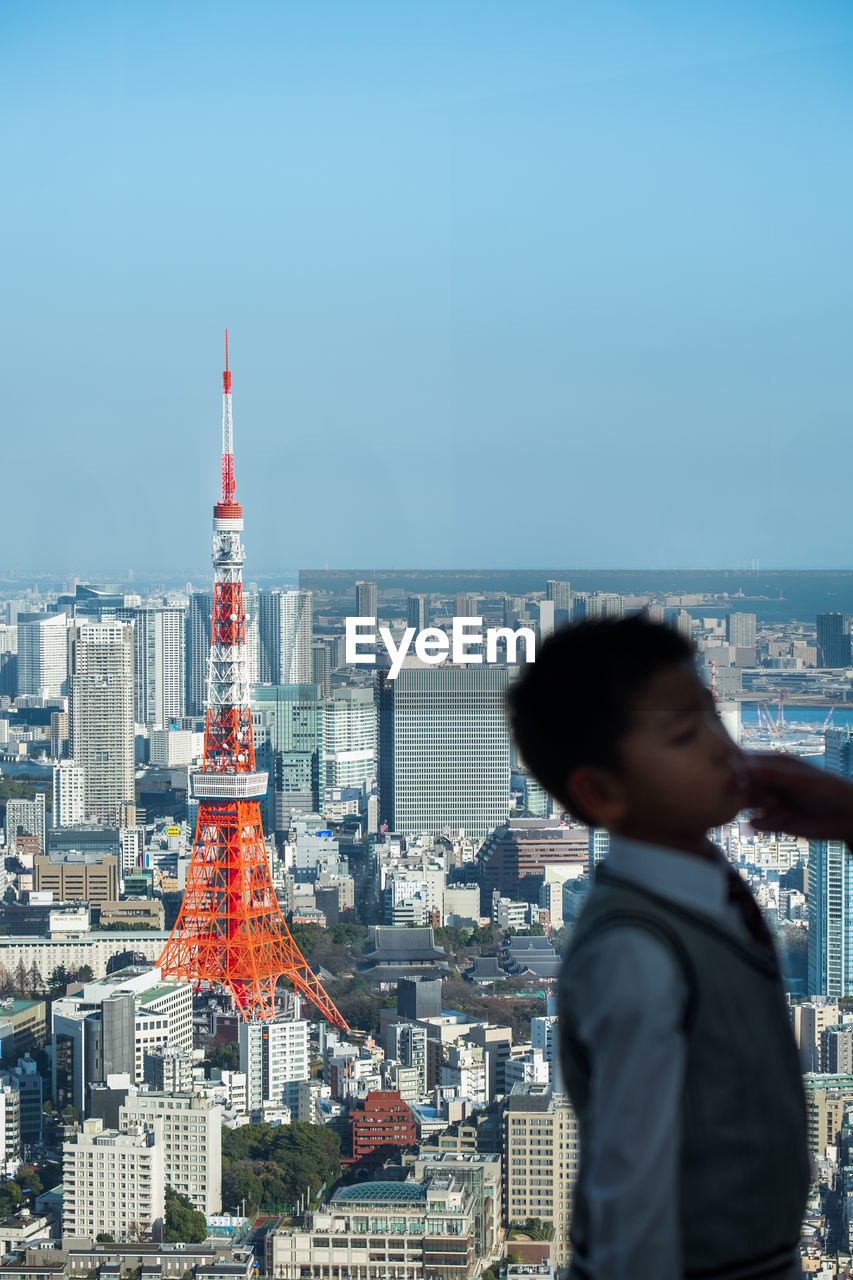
[[382, 1125], [400, 1230]]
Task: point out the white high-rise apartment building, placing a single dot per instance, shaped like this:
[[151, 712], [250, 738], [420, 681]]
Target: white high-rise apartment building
[[349, 737], [286, 634], [407, 1044], [192, 1136], [113, 1183], [43, 656], [544, 1036], [274, 1057], [27, 816], [450, 748], [541, 1152], [69, 794], [159, 668], [297, 636], [100, 667]]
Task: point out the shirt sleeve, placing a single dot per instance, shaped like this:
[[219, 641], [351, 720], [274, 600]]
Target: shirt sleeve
[[629, 997]]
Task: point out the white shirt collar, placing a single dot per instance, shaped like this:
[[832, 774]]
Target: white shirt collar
[[692, 881]]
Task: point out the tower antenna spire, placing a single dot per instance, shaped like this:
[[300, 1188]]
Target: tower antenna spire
[[228, 484]]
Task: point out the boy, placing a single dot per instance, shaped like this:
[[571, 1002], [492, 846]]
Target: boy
[[675, 1038]]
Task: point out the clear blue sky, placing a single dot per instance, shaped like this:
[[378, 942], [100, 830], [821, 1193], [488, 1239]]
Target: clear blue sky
[[508, 283]]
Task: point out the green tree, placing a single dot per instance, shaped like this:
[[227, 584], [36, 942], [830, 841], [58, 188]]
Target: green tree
[[226, 1057], [104, 1237], [11, 1197], [275, 1164], [29, 1181], [58, 981], [184, 1223]]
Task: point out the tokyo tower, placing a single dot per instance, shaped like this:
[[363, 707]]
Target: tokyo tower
[[230, 932]]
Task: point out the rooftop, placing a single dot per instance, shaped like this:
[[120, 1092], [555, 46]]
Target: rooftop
[[381, 1193]]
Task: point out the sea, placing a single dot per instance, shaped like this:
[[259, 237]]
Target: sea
[[774, 595]]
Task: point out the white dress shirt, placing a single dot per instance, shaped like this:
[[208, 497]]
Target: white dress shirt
[[630, 998]]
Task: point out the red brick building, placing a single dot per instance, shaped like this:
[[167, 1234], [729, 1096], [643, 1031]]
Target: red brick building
[[381, 1125]]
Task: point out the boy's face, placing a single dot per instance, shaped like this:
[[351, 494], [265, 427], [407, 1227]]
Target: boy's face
[[680, 771]]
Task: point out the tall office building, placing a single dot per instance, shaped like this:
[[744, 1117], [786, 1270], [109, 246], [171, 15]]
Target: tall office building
[[445, 731], [274, 1057], [366, 600], [43, 655], [100, 673], [288, 726], [833, 639], [349, 737], [540, 1151], [321, 667], [465, 605], [416, 612], [830, 896], [159, 666], [197, 650]]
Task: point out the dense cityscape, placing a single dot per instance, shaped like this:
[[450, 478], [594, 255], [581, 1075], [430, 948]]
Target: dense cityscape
[[283, 913]]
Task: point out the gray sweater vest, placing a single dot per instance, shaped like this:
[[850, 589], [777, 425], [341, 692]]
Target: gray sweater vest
[[744, 1158]]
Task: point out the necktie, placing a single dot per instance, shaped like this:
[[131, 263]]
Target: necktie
[[740, 894]]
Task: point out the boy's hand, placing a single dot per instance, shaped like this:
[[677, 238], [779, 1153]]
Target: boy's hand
[[790, 795]]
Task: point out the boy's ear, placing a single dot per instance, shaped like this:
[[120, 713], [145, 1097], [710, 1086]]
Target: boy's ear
[[597, 792]]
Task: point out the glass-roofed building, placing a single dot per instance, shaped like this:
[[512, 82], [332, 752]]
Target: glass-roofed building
[[382, 1230]]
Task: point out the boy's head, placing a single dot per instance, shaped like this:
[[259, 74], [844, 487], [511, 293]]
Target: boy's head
[[613, 720]]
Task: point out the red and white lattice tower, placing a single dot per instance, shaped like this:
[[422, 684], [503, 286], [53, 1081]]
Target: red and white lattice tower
[[230, 932]]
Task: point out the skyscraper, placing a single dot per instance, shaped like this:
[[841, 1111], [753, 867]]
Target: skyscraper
[[830, 896], [561, 594], [159, 669], [289, 745], [740, 630], [349, 737], [416, 612], [833, 639], [296, 637], [100, 673], [285, 637], [366, 600], [450, 748], [43, 655], [198, 623]]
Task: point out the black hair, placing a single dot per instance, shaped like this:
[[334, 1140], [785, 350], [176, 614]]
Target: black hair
[[574, 704]]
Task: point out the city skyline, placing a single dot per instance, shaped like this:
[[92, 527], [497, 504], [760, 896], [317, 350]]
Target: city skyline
[[505, 285]]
